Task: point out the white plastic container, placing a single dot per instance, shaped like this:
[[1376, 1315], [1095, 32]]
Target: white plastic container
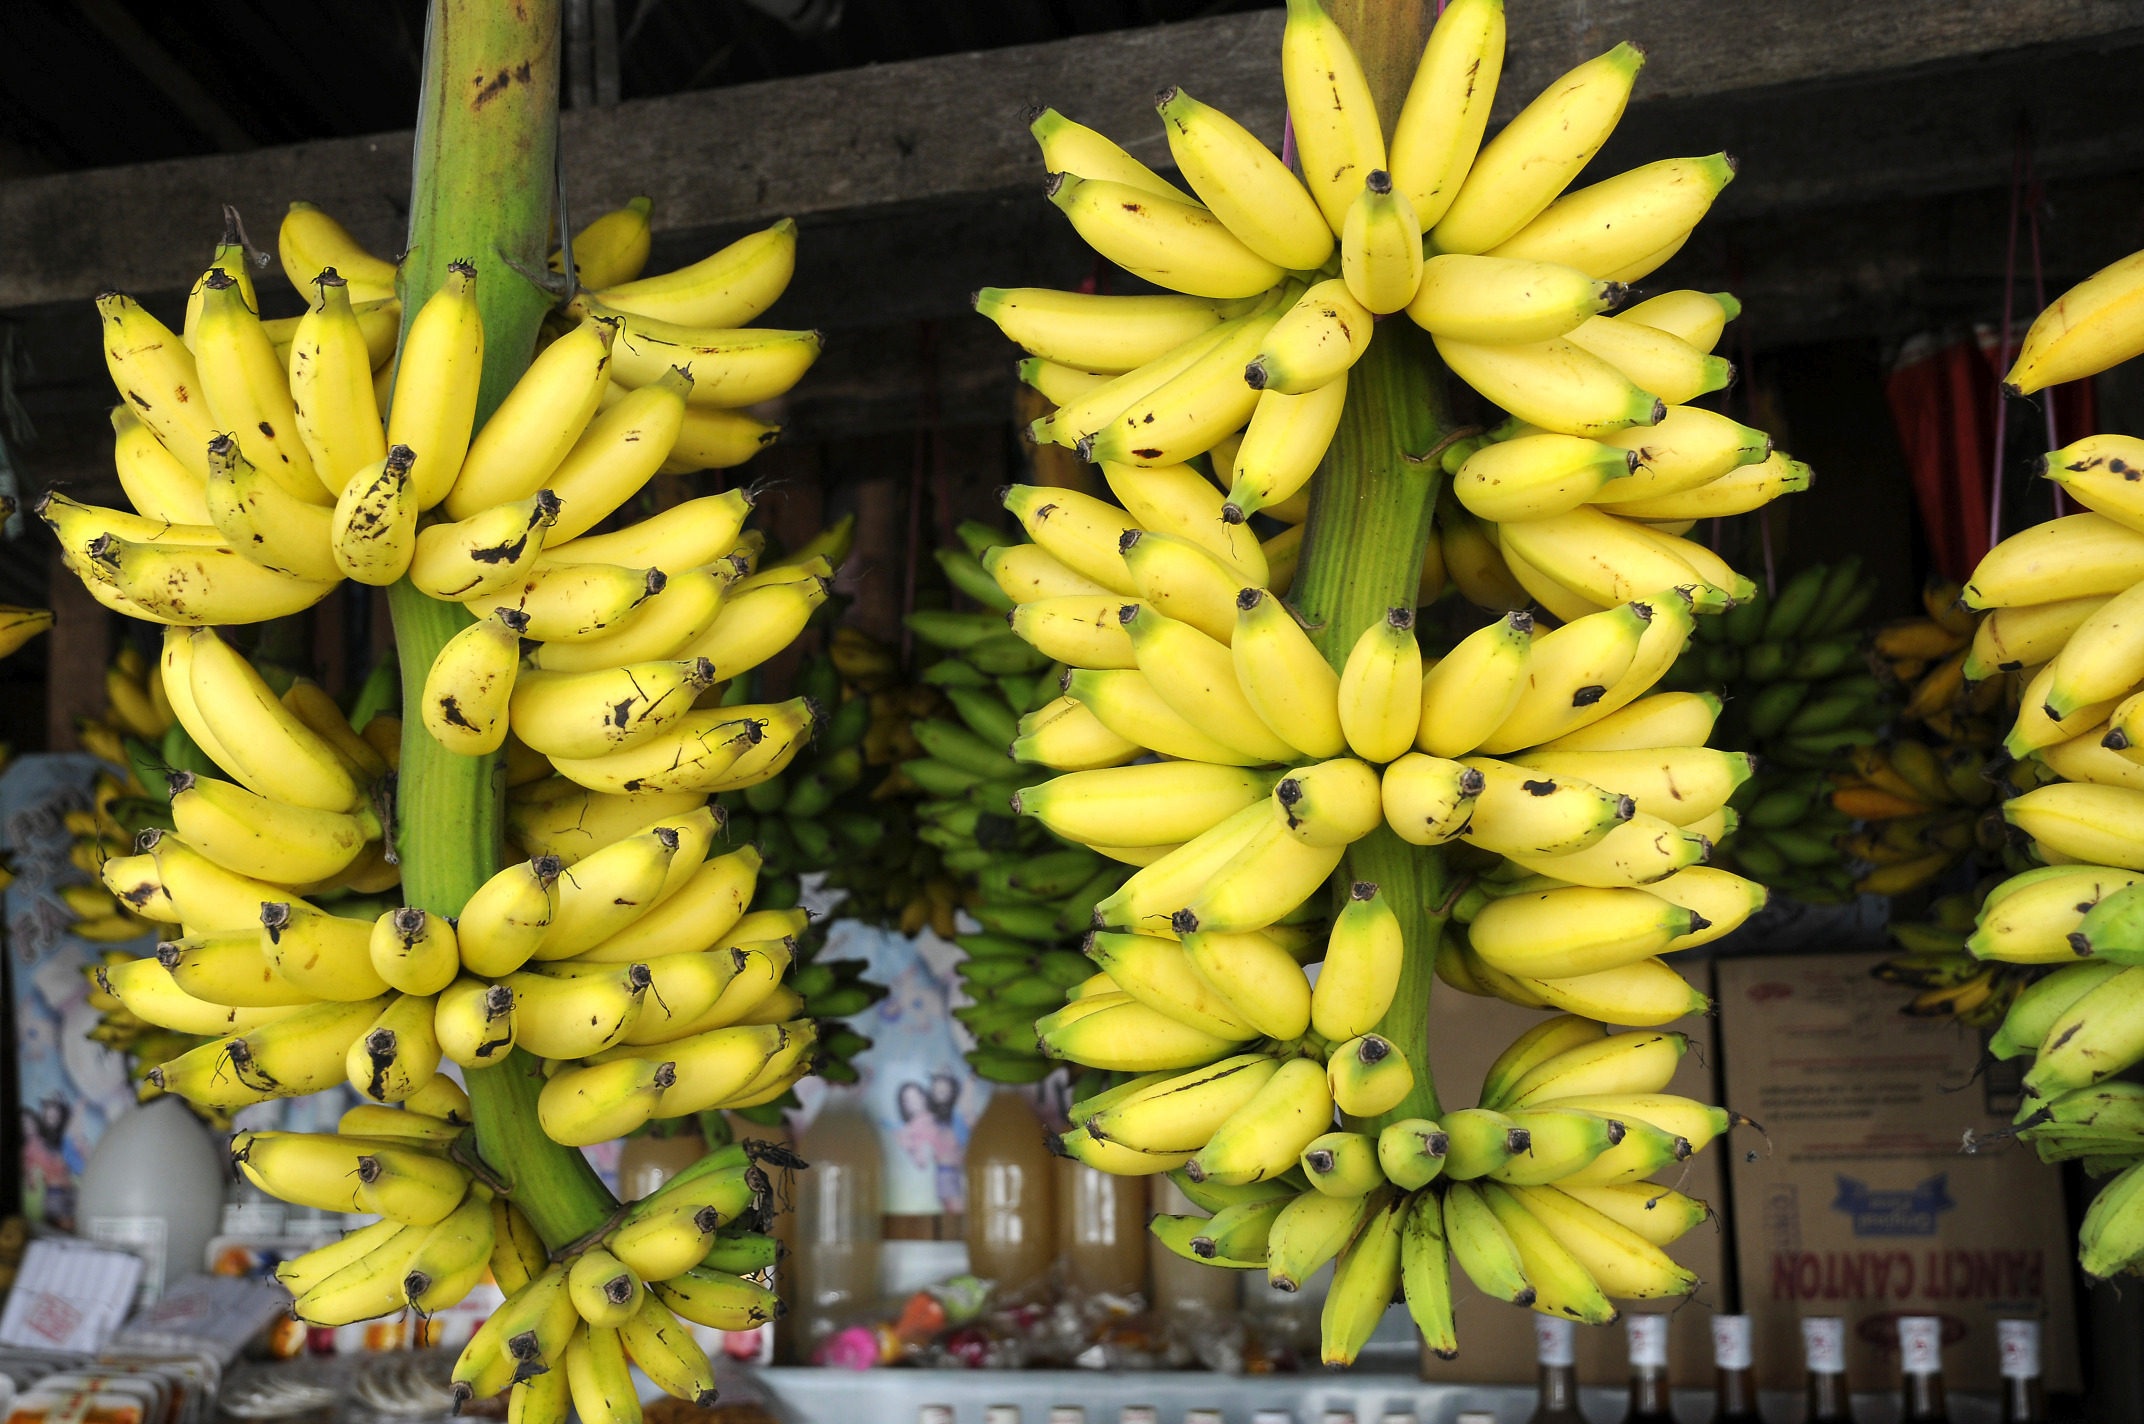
[[154, 1186]]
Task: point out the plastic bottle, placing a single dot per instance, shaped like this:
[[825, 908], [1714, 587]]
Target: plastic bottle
[[1187, 1288], [1012, 1231], [154, 1186], [1101, 1229], [837, 1220]]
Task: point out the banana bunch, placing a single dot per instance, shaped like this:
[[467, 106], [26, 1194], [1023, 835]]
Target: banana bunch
[[1539, 1193], [2055, 603], [1274, 283], [571, 1318], [1950, 980], [1031, 889]]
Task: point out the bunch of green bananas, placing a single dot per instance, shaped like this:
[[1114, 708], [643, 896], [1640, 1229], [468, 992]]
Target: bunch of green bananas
[[1032, 892], [1539, 1193], [570, 1319], [1797, 693], [1939, 963]]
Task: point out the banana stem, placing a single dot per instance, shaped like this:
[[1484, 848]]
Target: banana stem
[[1370, 508], [482, 190]]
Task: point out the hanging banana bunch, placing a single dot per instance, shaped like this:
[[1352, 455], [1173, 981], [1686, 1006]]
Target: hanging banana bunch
[[1204, 742], [1031, 890], [2057, 620], [602, 655]]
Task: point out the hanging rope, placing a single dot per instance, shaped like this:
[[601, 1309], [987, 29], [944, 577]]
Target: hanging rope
[[2002, 346], [2035, 199]]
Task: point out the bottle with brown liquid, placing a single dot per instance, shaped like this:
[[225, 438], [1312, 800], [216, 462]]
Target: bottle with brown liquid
[[1734, 1384], [1012, 1226], [1824, 1351], [838, 1221], [1557, 1400], [1101, 1229], [1649, 1402], [1920, 1360], [2018, 1347]]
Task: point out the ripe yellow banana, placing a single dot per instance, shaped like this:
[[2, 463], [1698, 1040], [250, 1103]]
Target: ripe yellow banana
[[617, 454], [1181, 579], [1535, 156], [728, 367], [2098, 472], [1160, 803], [1082, 630], [684, 537], [1169, 242], [589, 714], [309, 240], [2076, 556], [398, 1053], [2094, 325], [1570, 670], [1380, 694], [1095, 333], [1666, 365], [1244, 185], [1336, 126], [1429, 800], [1064, 735], [1577, 930], [155, 482], [468, 686], [726, 288], [436, 379], [700, 913], [1361, 972], [193, 584], [1499, 300], [415, 951], [1330, 803], [157, 376], [1156, 973], [1079, 531], [608, 891], [475, 1022], [1381, 247], [1474, 689], [1193, 411], [612, 249], [329, 956], [1264, 881], [1317, 339], [756, 623], [338, 417], [1621, 221], [1737, 492], [574, 603], [227, 967], [1554, 384], [270, 750], [263, 838], [151, 993], [1286, 438], [1178, 501], [1195, 677], [1440, 126], [485, 552], [1524, 812], [265, 522], [248, 390]]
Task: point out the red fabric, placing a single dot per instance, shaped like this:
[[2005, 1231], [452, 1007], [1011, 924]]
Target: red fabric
[[1944, 408]]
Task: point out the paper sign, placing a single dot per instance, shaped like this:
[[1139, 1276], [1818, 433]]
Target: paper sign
[[69, 1297]]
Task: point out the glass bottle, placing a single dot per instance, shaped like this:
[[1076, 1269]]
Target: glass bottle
[[1068, 1414], [1011, 1226], [935, 1414], [1920, 1359], [1648, 1370], [1734, 1385], [838, 1224], [1203, 1416], [1824, 1351], [654, 1157], [1001, 1414], [1273, 1416], [2018, 1346], [1138, 1414], [1557, 1401], [1101, 1229]]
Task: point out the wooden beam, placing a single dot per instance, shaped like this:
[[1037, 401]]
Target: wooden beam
[[934, 129]]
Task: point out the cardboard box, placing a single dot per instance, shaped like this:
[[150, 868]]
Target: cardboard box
[[1496, 1344], [1865, 1206]]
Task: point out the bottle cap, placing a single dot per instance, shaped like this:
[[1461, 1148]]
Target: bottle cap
[[2018, 1343], [1404, 1416], [1001, 1414], [1272, 1416], [1138, 1414], [1824, 1344], [1730, 1342], [935, 1414], [1337, 1416], [1202, 1416], [1920, 1344], [1067, 1414], [1648, 1340], [1552, 1340], [1476, 1416]]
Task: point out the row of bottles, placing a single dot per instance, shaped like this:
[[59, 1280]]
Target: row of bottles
[[1828, 1399], [1147, 1414]]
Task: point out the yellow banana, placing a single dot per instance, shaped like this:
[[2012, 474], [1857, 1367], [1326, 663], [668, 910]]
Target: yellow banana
[[263, 838], [156, 483], [1381, 247], [726, 288], [398, 1054], [1267, 878], [574, 603], [1065, 736], [156, 376], [1068, 147], [1244, 185], [436, 378], [486, 552], [727, 367], [1439, 130], [1618, 222], [1176, 576], [2094, 325], [1336, 127], [2076, 556], [227, 967], [329, 956], [1169, 242], [1189, 414], [1474, 689], [683, 537], [475, 1022], [150, 992], [1531, 814], [2096, 471], [415, 951], [507, 918], [1287, 437], [468, 686], [1535, 156], [1429, 800], [1330, 803], [612, 249], [1195, 677], [248, 390], [265, 522], [309, 240], [1095, 333], [338, 418], [270, 750], [1380, 693], [1178, 501], [755, 624], [617, 454]]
